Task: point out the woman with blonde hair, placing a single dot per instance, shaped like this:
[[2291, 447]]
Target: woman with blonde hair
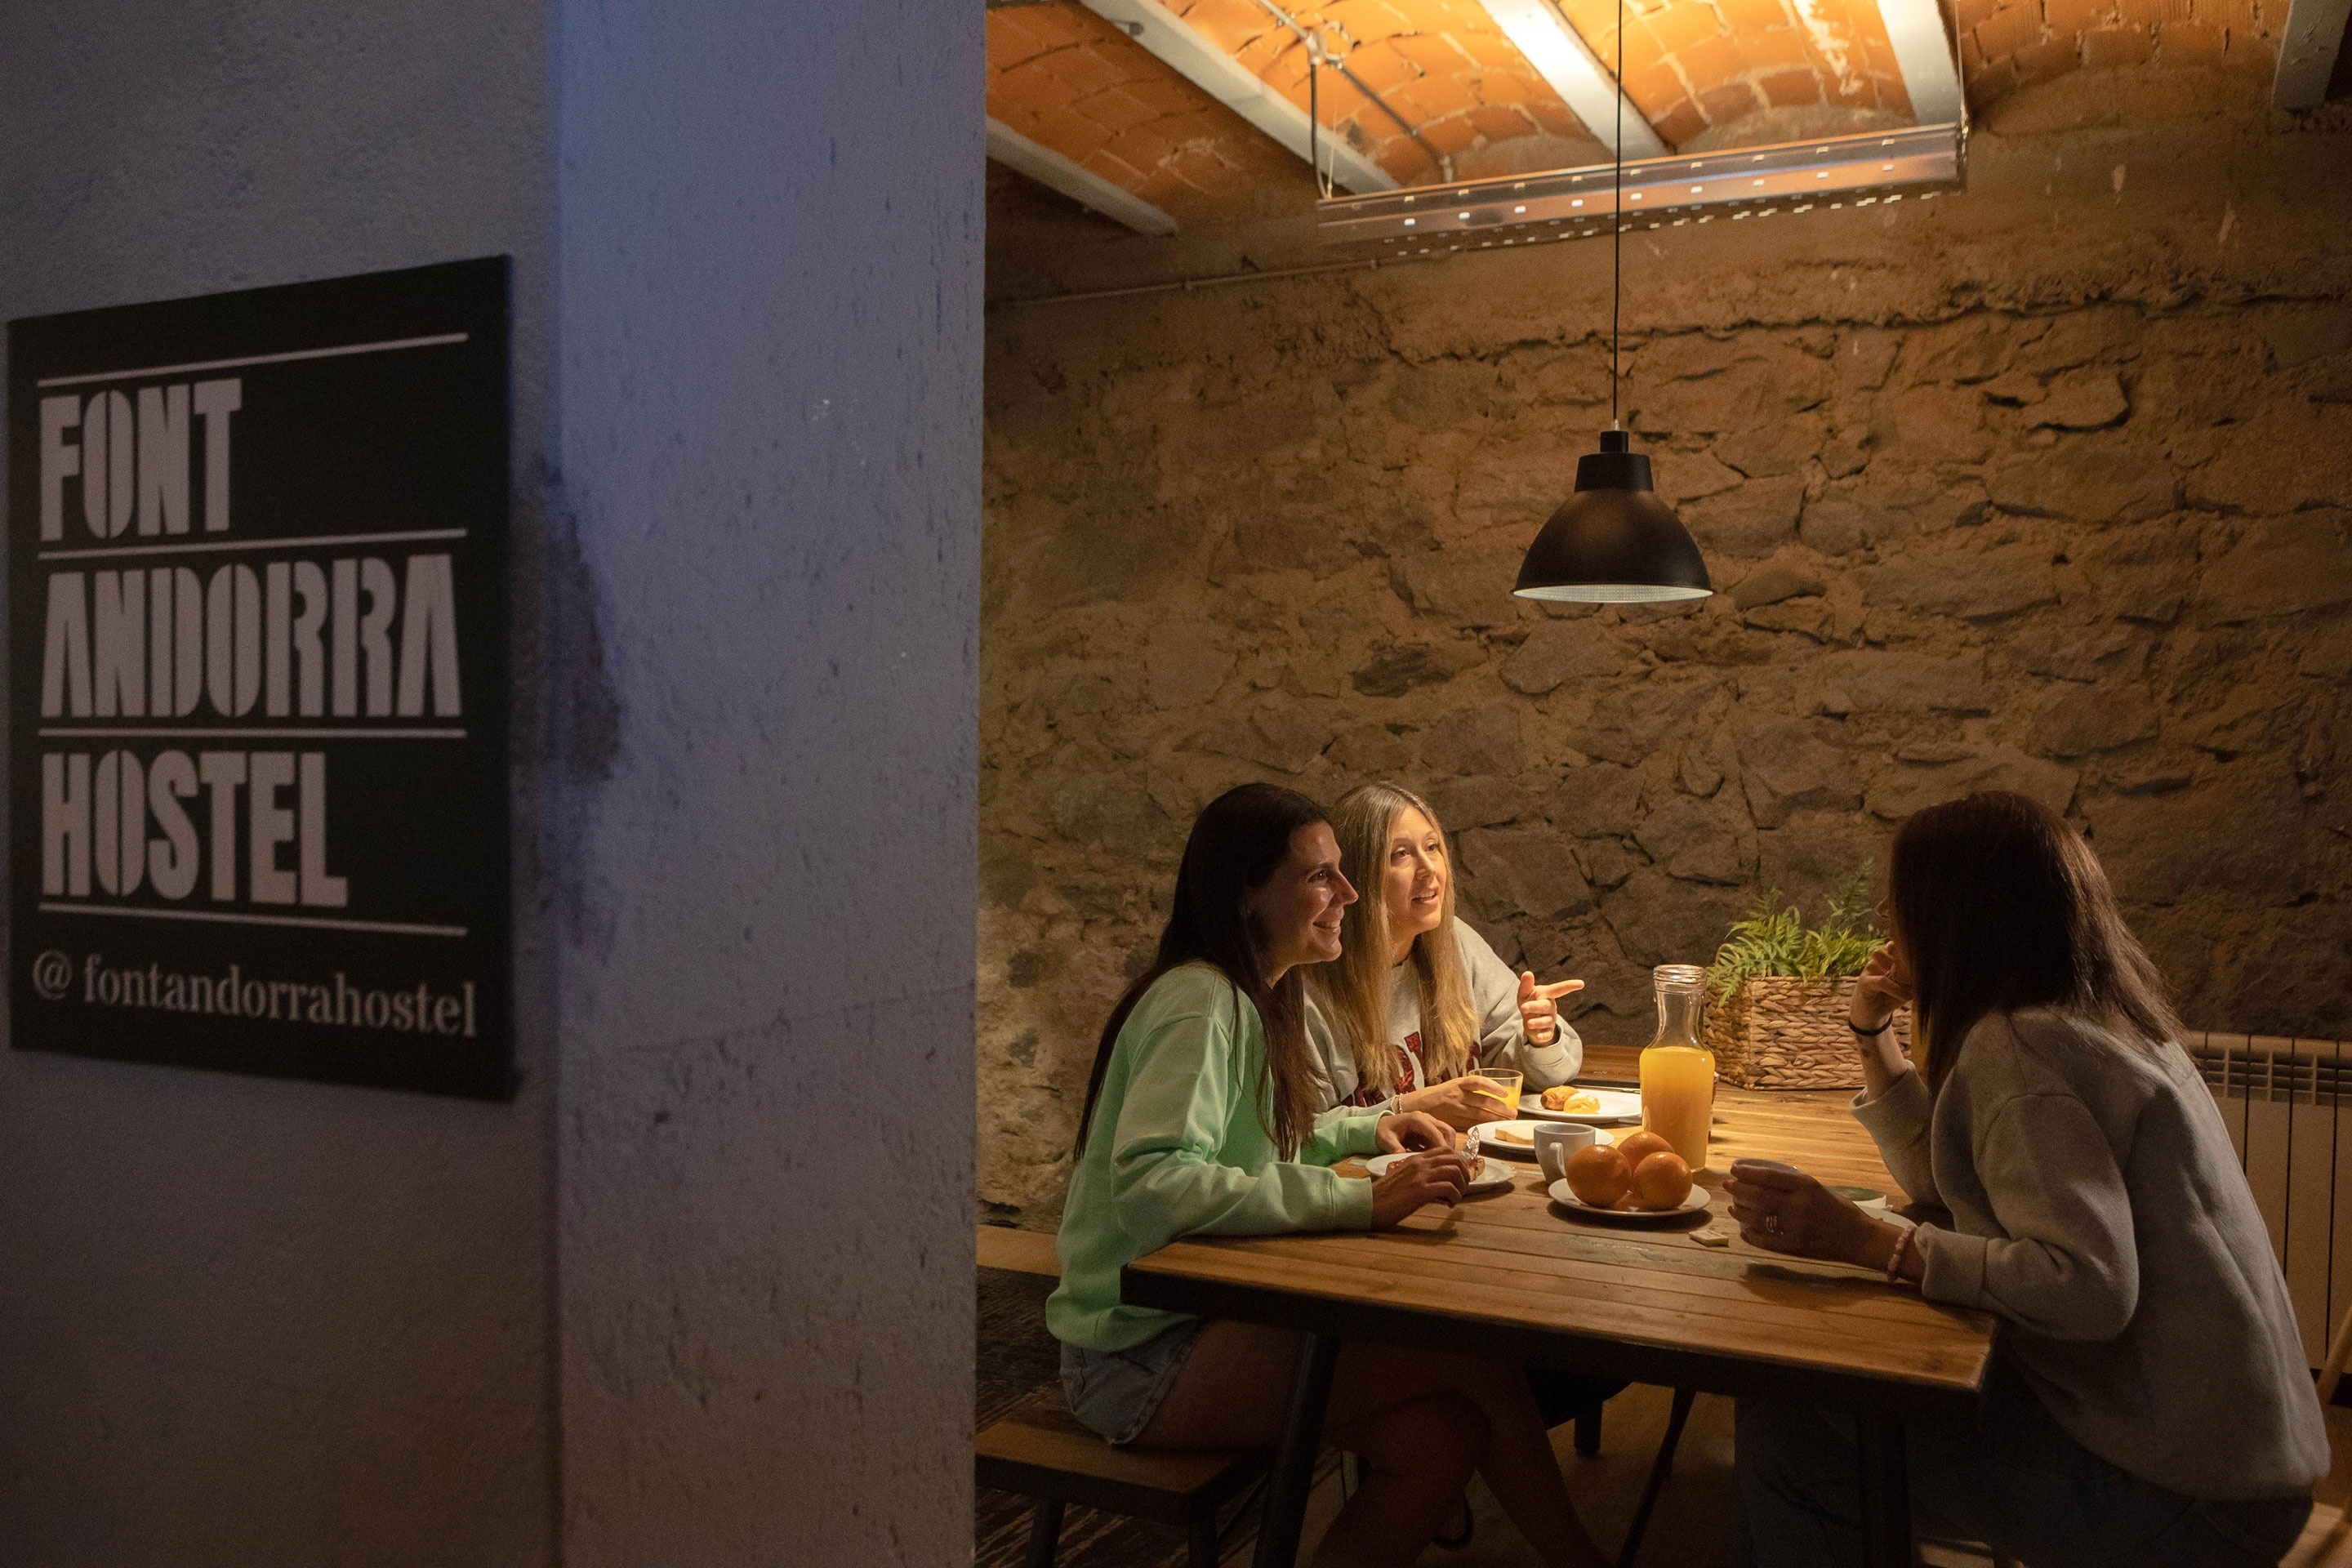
[[1418, 1002]]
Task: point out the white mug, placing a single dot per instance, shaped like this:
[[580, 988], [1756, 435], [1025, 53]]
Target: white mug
[[1557, 1142]]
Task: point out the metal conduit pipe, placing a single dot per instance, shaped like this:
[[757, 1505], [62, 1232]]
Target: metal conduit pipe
[[1214, 280]]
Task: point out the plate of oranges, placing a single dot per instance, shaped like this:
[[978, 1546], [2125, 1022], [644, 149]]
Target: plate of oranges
[[1637, 1180]]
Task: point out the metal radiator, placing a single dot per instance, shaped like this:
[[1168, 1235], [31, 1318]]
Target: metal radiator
[[2283, 1102]]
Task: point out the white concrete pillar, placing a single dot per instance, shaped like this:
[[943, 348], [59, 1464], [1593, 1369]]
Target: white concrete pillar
[[771, 444]]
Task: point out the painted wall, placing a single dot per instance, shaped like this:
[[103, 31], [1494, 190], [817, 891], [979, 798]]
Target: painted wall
[[771, 355], [2043, 486], [245, 1321]]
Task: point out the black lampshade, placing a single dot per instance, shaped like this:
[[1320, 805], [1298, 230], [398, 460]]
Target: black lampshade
[[1613, 542]]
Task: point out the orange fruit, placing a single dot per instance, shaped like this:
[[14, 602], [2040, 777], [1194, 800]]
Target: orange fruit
[[1661, 1181], [1640, 1146], [1599, 1175]]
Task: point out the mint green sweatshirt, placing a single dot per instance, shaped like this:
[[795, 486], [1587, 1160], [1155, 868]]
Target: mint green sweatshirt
[[1179, 1149]]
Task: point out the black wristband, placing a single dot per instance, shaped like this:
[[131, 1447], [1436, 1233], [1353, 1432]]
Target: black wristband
[[1870, 1034]]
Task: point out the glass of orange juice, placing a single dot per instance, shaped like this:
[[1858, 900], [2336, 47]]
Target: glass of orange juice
[[1678, 1072], [1506, 1089]]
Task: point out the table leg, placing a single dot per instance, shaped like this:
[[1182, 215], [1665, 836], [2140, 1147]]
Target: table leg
[[1296, 1452], [1885, 1493]]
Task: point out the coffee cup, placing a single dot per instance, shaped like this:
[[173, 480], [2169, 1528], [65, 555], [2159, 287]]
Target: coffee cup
[[1556, 1143]]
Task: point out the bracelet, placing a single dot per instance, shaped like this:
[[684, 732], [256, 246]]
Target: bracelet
[[1904, 1246], [1870, 1034]]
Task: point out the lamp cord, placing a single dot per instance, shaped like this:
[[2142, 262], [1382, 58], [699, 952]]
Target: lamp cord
[[1617, 239]]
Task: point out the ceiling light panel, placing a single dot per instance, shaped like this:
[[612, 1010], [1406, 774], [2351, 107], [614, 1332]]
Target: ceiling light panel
[[1674, 190]]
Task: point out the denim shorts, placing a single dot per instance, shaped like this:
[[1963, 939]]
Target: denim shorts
[[1116, 1392]]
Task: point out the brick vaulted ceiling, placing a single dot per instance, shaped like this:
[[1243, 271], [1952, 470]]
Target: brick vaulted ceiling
[[1460, 100]]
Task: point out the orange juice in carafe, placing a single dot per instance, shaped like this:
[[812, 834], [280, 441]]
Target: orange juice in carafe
[[1678, 1072]]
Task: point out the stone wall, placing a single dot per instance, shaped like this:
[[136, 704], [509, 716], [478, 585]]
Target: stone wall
[[2043, 486]]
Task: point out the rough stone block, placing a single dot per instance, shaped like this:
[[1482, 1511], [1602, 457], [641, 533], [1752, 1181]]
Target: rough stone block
[[2239, 830], [1789, 764], [1864, 355], [2328, 654], [1284, 736], [1476, 741], [2077, 721], [1815, 852], [1468, 585], [2299, 335], [1699, 840], [2280, 566], [1184, 665], [2084, 400], [1561, 651], [1687, 476], [2087, 480], [2285, 456], [1372, 750], [1908, 786], [1882, 681], [1601, 801], [1976, 585], [1754, 519], [1771, 583], [1513, 871], [1632, 723], [1659, 919], [1975, 348], [1782, 447], [2065, 650], [1807, 617], [1396, 669], [1938, 424], [1479, 801], [1606, 862]]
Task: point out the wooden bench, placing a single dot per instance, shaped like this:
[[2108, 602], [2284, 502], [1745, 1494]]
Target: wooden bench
[[1040, 1450]]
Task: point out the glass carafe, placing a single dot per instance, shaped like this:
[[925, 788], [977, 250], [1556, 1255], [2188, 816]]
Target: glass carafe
[[1678, 1072]]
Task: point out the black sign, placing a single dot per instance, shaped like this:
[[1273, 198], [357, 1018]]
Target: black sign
[[258, 681]]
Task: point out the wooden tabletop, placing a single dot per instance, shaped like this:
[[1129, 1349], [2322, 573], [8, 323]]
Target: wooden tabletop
[[1514, 1274]]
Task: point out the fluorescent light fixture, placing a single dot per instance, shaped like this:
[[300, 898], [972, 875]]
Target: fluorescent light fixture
[[1575, 202]]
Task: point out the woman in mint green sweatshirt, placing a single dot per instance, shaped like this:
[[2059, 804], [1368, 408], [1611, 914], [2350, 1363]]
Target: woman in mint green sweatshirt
[[1200, 1120]]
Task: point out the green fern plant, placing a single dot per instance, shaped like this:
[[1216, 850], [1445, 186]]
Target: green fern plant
[[1772, 939]]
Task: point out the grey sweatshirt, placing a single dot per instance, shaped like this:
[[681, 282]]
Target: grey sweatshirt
[[1502, 1037], [2099, 1207]]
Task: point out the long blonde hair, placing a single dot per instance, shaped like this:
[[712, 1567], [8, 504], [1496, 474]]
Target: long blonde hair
[[1354, 990]]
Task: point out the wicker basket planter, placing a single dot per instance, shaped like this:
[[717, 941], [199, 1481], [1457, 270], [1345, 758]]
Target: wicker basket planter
[[1777, 1033]]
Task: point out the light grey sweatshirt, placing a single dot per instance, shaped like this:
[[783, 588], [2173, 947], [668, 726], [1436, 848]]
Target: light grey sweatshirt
[[1501, 1036], [2098, 1206]]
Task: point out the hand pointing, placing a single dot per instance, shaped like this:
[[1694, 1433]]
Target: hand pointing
[[1539, 1009]]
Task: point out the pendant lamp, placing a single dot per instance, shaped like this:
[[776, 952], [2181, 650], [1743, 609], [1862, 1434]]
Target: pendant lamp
[[1614, 541]]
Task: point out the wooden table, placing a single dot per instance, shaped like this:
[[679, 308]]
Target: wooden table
[[1653, 1306]]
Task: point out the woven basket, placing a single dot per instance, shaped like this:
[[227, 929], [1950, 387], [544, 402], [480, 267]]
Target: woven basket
[[1777, 1033]]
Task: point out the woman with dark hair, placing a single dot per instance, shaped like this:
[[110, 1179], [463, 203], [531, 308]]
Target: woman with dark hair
[[2149, 1399], [1200, 1119]]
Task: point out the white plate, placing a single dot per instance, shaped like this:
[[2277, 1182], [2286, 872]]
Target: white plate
[[1490, 1144], [1568, 1200], [1618, 1105], [1493, 1174]]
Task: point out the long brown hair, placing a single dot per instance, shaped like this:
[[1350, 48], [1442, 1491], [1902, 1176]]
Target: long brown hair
[[2000, 905], [1354, 989], [1238, 842]]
